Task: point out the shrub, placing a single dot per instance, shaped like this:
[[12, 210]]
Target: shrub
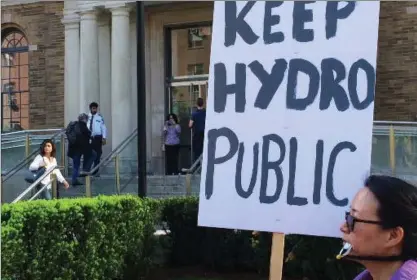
[[112, 238], [220, 249], [100, 238]]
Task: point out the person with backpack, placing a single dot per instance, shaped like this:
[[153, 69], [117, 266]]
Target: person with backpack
[[79, 145]]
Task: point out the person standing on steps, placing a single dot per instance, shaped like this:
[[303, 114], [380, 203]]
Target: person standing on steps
[[79, 145], [197, 124], [98, 133]]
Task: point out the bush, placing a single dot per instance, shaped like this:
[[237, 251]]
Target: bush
[[112, 238], [220, 249], [100, 238]]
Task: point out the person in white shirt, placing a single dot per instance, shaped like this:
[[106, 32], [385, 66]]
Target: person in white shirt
[[98, 132], [46, 159]]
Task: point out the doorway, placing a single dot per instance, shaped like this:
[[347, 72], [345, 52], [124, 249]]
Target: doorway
[[186, 71]]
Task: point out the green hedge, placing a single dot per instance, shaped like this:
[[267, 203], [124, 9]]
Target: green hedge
[[102, 238], [306, 256], [112, 238]]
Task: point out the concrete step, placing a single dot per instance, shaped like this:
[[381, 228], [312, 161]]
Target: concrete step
[[158, 186]]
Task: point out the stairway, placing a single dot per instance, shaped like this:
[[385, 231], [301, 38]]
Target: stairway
[[158, 186]]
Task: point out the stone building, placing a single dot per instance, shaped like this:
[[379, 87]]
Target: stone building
[[83, 51]]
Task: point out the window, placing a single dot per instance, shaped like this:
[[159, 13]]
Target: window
[[195, 69], [196, 36], [14, 80]]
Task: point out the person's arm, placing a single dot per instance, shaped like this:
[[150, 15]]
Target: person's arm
[[103, 130], [37, 163], [191, 123], [178, 128], [85, 131]]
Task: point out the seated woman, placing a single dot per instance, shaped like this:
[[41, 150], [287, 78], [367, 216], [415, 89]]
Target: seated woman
[[380, 231], [46, 159]]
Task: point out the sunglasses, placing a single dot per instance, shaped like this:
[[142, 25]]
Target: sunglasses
[[350, 221]]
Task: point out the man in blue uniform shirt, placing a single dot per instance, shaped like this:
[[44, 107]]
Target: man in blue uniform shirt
[[98, 132]]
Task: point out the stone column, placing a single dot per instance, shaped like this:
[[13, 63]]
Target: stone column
[[89, 70], [104, 54], [71, 22], [120, 76]]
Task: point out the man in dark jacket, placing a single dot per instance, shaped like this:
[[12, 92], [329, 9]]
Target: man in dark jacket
[[81, 147]]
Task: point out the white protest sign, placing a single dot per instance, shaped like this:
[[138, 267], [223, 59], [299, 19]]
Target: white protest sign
[[289, 114]]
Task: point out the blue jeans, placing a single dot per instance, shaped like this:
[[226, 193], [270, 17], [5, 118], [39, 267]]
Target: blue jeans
[[76, 163], [45, 194]]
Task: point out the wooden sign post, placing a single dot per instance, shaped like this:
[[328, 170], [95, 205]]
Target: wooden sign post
[[277, 256]]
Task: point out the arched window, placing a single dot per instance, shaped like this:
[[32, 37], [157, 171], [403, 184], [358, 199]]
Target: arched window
[[14, 80]]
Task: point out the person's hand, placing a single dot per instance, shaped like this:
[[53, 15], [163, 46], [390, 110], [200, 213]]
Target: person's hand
[[104, 142], [66, 185]]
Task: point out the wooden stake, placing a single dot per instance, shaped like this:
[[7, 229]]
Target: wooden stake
[[277, 256]]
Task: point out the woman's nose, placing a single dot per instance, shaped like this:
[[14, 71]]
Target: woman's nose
[[344, 228]]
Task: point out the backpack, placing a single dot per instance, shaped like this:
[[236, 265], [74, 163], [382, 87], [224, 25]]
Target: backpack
[[71, 133]]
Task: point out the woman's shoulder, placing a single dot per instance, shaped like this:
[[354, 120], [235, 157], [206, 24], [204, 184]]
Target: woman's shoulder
[[365, 275], [408, 271], [38, 157]]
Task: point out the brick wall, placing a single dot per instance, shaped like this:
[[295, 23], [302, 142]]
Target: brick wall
[[396, 84], [41, 22]]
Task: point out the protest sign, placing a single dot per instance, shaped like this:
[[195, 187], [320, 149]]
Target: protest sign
[[289, 114]]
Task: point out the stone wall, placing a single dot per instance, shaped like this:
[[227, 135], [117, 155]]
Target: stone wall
[[41, 23]]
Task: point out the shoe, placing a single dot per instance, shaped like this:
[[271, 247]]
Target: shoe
[[77, 183]]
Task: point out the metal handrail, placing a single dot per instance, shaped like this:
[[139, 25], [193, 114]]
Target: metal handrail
[[34, 184], [8, 174], [3, 135], [193, 167], [113, 155], [116, 151]]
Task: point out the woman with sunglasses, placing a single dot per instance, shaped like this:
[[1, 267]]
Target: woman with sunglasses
[[380, 231]]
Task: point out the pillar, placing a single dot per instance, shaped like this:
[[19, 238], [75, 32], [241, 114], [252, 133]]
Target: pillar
[[104, 54], [89, 65], [71, 22], [120, 76]]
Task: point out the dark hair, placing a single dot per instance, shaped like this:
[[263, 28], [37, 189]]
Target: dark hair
[[42, 148], [200, 102], [398, 208], [93, 105], [173, 116]]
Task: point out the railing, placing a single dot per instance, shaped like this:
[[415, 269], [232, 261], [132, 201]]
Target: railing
[[30, 155], [36, 183], [25, 138], [195, 168], [114, 157]]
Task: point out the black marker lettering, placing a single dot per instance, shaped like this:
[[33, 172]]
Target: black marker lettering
[[271, 20], [222, 89], [301, 65], [213, 136], [238, 177], [330, 85], [235, 24], [270, 82], [353, 82], [291, 198], [300, 16], [333, 14], [329, 180], [271, 165]]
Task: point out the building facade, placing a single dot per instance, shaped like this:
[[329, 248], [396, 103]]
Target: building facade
[[84, 51]]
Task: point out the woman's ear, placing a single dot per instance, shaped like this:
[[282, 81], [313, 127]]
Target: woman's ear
[[396, 236]]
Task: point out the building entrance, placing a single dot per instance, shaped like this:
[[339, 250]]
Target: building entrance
[[183, 93], [187, 68]]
